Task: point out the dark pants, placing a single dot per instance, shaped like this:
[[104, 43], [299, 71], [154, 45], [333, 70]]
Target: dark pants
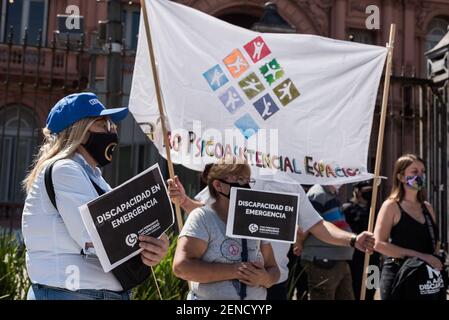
[[297, 276], [334, 283], [278, 291], [389, 271]]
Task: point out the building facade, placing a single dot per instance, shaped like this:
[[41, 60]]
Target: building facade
[[40, 62]]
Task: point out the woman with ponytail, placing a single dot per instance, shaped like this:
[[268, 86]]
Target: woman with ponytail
[[220, 267]]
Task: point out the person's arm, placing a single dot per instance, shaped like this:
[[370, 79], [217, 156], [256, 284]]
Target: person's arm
[[329, 233], [178, 196], [187, 263], [382, 230], [257, 274]]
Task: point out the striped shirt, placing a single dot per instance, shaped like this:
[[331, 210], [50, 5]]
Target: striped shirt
[[329, 207]]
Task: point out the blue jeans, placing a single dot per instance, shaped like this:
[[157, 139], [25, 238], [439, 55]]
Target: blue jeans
[[41, 292]]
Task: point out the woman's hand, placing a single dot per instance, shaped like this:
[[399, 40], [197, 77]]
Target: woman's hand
[[365, 242], [253, 274], [154, 250], [176, 191], [433, 261]]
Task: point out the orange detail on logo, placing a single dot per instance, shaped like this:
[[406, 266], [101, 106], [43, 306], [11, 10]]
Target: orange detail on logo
[[236, 63]]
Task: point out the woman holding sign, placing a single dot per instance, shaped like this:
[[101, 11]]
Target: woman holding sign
[[211, 260], [80, 136], [201, 257], [308, 219]]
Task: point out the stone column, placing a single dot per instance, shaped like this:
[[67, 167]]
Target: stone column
[[339, 19]]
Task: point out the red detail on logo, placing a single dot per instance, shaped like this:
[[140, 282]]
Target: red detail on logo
[[257, 49]]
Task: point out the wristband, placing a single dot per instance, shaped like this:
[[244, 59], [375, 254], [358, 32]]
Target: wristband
[[353, 240]]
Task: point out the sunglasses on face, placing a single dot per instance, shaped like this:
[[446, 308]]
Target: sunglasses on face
[[107, 124]]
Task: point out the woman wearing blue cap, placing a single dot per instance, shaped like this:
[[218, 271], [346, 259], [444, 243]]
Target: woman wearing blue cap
[[79, 137]]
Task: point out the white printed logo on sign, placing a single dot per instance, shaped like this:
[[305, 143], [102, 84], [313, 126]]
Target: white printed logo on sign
[[131, 239], [253, 227]]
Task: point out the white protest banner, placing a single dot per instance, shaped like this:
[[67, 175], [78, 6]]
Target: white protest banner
[[293, 104], [114, 221], [256, 214]]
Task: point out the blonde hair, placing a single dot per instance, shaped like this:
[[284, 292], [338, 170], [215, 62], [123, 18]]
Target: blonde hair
[[397, 191], [223, 168], [56, 147]]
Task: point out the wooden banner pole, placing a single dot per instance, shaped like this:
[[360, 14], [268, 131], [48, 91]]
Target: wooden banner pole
[[380, 141], [171, 169]]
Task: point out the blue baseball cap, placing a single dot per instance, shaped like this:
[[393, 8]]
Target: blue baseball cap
[[77, 106]]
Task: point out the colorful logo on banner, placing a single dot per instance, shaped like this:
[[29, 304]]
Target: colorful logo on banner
[[260, 81]]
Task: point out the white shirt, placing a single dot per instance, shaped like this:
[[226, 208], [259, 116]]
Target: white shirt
[[54, 239], [307, 217]]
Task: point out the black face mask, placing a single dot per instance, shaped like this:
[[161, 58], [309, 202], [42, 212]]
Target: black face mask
[[235, 185], [367, 195], [100, 146]]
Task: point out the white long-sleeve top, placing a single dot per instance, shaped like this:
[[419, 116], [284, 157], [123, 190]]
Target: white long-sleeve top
[[54, 238]]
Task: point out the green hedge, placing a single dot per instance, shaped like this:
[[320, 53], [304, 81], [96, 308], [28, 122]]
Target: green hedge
[[14, 281]]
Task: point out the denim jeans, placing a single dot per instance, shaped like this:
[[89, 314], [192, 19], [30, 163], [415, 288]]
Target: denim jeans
[[390, 269], [41, 292]]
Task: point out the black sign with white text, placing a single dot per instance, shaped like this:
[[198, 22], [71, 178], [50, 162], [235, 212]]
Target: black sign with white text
[[140, 206], [262, 215]]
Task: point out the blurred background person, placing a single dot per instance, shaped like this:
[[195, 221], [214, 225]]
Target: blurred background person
[[357, 215], [328, 272]]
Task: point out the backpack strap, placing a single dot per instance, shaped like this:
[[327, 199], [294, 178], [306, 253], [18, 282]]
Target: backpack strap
[[99, 190], [244, 255], [430, 226], [51, 189], [49, 184]]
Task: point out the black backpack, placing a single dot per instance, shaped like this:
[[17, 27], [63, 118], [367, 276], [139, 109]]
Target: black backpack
[[132, 272]]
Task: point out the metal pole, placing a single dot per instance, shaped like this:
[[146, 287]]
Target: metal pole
[[114, 58], [113, 83]]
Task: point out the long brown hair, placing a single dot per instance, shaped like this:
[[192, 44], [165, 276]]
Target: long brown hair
[[397, 192], [225, 167]]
